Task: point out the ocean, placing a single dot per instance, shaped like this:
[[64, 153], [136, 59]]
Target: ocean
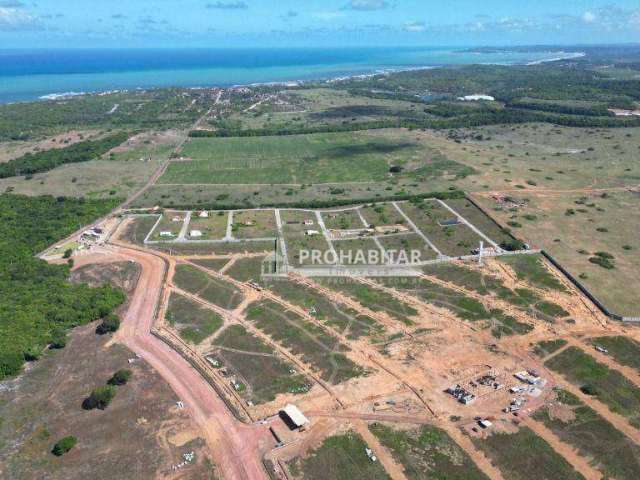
[[27, 75]]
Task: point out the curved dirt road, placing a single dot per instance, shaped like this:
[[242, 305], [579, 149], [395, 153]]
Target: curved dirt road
[[236, 448]]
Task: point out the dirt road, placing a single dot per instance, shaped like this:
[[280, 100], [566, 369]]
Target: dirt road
[[236, 448]]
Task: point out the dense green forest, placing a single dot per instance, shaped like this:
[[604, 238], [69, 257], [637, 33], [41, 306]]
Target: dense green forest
[[37, 302], [31, 163]]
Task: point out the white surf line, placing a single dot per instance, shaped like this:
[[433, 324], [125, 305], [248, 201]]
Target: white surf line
[[417, 230], [325, 232], [470, 225], [185, 226], [283, 244], [229, 234]]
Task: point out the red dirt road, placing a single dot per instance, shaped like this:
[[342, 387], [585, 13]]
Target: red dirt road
[[236, 448]]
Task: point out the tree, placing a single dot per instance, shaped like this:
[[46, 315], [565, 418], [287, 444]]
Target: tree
[[121, 377], [100, 398], [67, 253], [58, 340], [64, 445], [110, 324]]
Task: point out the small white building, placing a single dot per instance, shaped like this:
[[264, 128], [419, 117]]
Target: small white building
[[311, 233], [295, 416], [308, 223], [203, 214], [476, 98], [195, 233], [166, 234]]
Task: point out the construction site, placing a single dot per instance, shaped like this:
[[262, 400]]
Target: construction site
[[286, 373]]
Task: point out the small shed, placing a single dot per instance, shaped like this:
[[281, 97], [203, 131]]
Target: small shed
[[294, 417], [204, 214], [195, 233]]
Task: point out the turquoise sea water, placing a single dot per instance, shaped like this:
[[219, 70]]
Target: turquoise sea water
[[29, 75]]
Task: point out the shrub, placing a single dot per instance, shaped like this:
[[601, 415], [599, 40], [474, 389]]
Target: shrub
[[589, 389], [99, 398], [603, 262], [121, 377], [67, 253], [58, 340], [110, 324], [64, 445]]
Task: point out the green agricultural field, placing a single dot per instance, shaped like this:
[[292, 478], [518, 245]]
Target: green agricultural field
[[341, 457], [609, 450], [320, 158], [453, 240], [265, 373], [609, 386], [213, 290], [213, 227], [519, 454], [372, 298], [254, 224], [624, 350], [343, 220], [339, 317], [427, 453], [314, 158], [193, 322], [308, 341]]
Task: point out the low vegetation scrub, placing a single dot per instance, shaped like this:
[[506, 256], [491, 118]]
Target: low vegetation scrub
[[110, 324], [121, 377], [64, 445], [99, 398]]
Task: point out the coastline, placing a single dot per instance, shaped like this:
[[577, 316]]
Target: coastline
[[358, 72]]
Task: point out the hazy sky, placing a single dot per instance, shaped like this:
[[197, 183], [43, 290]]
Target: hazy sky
[[222, 23]]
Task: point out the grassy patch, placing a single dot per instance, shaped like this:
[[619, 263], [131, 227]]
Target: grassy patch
[[531, 269], [305, 339], [193, 322], [427, 453], [547, 347], [265, 374], [610, 386], [519, 454], [213, 290], [610, 451], [624, 350], [341, 457]]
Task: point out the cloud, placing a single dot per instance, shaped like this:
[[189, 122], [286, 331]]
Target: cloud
[[415, 27], [367, 5], [589, 17], [227, 6], [12, 19]]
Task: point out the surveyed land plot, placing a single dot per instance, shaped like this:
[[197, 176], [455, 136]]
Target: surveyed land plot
[[593, 378], [382, 214], [265, 372], [311, 343], [339, 317], [254, 224], [211, 227], [341, 456], [450, 236], [610, 451], [407, 243], [373, 298], [193, 322], [519, 454], [427, 452], [213, 290], [169, 226], [342, 220]]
